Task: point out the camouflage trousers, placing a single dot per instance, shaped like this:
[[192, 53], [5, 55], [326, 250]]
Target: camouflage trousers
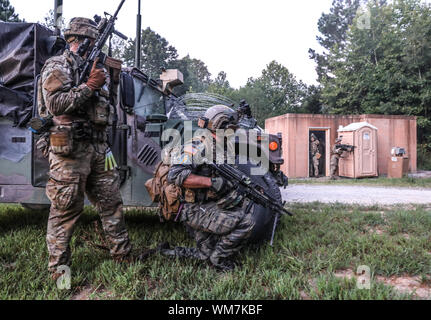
[[316, 166], [70, 179], [218, 233], [334, 166]]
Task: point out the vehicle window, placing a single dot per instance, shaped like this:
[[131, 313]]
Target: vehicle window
[[147, 99]]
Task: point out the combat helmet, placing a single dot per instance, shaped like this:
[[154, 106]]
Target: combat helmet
[[83, 27], [218, 117]]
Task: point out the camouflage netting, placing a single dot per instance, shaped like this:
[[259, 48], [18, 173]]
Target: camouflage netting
[[193, 105]]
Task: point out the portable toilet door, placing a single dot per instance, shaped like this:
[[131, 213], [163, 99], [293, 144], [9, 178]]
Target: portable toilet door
[[362, 162], [366, 140]]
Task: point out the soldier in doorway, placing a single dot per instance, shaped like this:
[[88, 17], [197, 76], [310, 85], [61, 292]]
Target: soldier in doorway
[[315, 154]]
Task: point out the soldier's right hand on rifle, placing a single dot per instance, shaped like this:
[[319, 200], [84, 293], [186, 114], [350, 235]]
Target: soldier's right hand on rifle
[[97, 77]]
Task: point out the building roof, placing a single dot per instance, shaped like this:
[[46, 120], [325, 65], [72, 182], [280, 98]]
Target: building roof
[[355, 126]]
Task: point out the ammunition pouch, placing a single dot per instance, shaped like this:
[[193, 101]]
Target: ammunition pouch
[[167, 194], [82, 130], [61, 140], [189, 196], [100, 114]]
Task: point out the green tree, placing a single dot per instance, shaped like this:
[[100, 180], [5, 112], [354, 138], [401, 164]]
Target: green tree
[[156, 53], [274, 93], [221, 85], [385, 69], [197, 78], [333, 27], [312, 102], [7, 12]]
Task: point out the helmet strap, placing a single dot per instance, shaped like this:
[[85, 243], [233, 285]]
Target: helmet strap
[[203, 123]]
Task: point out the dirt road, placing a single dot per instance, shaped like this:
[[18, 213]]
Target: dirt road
[[356, 194]]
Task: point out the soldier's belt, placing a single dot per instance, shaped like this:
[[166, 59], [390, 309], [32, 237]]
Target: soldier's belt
[[66, 120], [82, 130]]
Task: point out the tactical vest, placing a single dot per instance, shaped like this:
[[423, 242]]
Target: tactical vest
[[88, 123], [97, 110]]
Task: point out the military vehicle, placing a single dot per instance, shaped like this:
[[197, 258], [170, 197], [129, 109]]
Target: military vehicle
[[146, 107]]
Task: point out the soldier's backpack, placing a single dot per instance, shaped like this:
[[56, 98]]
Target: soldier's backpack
[[168, 195]]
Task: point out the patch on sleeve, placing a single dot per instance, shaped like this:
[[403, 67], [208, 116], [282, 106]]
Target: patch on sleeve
[[185, 159], [181, 159], [55, 81]]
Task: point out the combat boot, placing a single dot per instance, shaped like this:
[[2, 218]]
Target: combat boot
[[223, 265]]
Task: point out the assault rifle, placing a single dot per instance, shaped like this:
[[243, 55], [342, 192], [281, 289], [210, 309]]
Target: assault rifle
[[345, 147], [106, 29], [251, 190]]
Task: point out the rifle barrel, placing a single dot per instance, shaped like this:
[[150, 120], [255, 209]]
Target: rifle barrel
[[119, 8]]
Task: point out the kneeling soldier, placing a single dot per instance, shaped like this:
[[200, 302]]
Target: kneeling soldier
[[212, 206]]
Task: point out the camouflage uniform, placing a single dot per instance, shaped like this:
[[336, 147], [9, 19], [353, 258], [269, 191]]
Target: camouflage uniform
[[314, 145], [219, 233], [335, 157], [80, 170]]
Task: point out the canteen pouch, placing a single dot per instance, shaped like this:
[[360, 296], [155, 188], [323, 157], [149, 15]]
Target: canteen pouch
[[61, 141]]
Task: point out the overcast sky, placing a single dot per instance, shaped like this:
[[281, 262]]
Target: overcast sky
[[239, 37]]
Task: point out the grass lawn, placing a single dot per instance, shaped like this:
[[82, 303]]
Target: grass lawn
[[309, 250], [380, 181]]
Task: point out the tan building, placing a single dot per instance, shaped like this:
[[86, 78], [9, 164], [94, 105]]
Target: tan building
[[392, 131]]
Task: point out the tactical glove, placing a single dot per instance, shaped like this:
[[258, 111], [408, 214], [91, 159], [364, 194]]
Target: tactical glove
[[97, 78]]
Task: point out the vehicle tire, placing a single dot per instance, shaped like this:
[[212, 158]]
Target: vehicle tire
[[263, 217], [36, 206]]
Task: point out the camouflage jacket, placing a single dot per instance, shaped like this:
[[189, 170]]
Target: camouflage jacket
[[191, 158], [60, 94], [337, 152], [314, 147]]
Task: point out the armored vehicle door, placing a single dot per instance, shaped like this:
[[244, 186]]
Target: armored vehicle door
[[143, 116]]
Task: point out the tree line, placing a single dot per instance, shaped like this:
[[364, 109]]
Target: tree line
[[374, 57]]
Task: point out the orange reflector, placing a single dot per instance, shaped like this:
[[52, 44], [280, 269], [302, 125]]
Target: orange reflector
[[273, 146]]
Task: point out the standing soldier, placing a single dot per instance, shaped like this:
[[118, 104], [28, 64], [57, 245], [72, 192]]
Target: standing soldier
[[78, 147], [337, 152], [315, 154], [213, 207], [335, 157]]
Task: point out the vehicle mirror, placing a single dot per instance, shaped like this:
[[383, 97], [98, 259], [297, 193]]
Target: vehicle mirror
[[127, 91]]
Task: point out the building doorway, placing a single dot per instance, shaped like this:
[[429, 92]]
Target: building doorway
[[322, 135]]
